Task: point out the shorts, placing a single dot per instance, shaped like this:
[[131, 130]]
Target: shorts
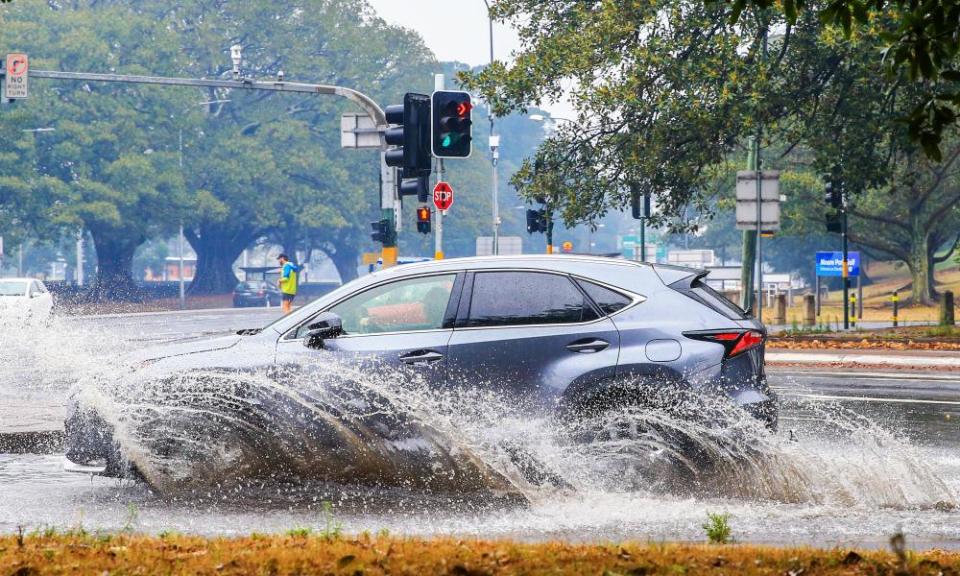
[[289, 297]]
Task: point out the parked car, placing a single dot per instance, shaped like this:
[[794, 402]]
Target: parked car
[[560, 332], [256, 293], [24, 300]]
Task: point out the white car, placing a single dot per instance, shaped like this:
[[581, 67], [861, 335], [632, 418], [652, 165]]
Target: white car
[[24, 300]]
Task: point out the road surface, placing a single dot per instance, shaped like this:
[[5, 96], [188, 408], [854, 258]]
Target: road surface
[[859, 455]]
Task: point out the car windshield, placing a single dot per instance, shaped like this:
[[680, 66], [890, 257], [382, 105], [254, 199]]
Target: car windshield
[[13, 288]]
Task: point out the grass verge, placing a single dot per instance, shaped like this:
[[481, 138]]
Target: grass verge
[[82, 553]]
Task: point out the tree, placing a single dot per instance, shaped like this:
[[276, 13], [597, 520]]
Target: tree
[[921, 43], [107, 167], [663, 89]]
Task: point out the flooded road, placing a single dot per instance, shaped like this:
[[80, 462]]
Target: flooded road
[[858, 456]]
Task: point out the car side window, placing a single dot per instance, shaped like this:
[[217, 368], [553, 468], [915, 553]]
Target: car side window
[[518, 298], [405, 305], [607, 300], [41, 289]]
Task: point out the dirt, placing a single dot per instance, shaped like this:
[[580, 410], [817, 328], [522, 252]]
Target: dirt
[[303, 552]]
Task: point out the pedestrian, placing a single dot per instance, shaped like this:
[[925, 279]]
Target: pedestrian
[[288, 281]]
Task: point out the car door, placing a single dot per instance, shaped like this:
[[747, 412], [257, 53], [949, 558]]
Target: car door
[[530, 333], [400, 323]]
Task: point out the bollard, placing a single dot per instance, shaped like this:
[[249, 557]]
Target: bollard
[[780, 312], [853, 310], [896, 305], [946, 309], [809, 311]]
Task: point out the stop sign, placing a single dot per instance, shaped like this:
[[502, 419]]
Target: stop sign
[[442, 196]]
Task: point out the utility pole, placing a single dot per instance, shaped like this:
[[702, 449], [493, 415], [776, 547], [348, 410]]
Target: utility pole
[[749, 254], [80, 257], [183, 294], [759, 237], [494, 152]]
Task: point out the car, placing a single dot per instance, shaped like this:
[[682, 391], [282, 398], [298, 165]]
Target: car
[[256, 293], [24, 301], [560, 333]]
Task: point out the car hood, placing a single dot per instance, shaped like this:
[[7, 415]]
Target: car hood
[[185, 348]]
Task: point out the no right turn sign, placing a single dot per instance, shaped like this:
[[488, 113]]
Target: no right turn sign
[[16, 77]]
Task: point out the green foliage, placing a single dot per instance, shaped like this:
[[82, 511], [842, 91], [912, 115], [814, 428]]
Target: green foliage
[[332, 528], [717, 528], [920, 40]]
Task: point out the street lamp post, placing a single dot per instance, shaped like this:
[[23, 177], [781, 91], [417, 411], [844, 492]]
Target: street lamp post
[[494, 151]]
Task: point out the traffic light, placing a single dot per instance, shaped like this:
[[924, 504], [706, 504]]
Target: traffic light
[[382, 232], [834, 223], [423, 219], [832, 195], [536, 220], [418, 186], [452, 125], [410, 134]]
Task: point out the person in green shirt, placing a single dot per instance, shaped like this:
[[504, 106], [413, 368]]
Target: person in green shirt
[[288, 281]]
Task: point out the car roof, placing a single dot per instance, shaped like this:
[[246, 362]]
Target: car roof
[[545, 261]]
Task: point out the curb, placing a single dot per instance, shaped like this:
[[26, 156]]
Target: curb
[[867, 359]]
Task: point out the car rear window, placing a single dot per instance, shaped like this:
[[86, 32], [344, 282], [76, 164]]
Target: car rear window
[[717, 301], [519, 298], [607, 300]]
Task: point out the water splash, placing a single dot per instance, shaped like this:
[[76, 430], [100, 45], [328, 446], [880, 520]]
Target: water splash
[[221, 430]]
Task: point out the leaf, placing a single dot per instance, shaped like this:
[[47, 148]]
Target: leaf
[[345, 561]]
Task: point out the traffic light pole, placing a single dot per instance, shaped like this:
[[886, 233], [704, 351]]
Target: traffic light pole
[[388, 201], [438, 230], [846, 265]]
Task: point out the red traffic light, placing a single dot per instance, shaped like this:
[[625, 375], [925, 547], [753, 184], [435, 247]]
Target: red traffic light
[[464, 108]]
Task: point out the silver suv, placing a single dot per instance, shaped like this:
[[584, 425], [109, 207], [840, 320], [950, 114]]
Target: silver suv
[[561, 332]]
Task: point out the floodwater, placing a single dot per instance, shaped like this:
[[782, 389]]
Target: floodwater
[[230, 454]]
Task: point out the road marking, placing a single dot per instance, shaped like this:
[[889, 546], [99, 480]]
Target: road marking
[[874, 399], [873, 375]]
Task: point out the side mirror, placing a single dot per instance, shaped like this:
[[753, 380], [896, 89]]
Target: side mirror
[[324, 326]]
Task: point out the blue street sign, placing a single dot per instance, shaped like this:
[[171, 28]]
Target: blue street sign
[[831, 264]]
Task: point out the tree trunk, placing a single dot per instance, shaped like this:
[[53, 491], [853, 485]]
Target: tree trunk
[[921, 267], [114, 279], [346, 259], [216, 250]]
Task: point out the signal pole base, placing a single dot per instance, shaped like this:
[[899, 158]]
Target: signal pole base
[[389, 256]]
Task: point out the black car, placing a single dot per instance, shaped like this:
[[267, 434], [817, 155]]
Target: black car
[[256, 293]]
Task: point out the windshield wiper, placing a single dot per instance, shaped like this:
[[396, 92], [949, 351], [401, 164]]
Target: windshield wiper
[[249, 331]]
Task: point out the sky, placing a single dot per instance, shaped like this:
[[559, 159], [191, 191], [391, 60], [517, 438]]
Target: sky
[[467, 42]]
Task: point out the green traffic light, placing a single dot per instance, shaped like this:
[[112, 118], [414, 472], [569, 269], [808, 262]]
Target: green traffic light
[[450, 138]]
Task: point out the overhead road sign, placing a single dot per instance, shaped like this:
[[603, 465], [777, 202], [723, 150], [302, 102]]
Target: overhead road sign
[[769, 200], [359, 131]]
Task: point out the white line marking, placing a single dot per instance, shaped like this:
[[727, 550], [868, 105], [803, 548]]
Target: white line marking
[[873, 399]]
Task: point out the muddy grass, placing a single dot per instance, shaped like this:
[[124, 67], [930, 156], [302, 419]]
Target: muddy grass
[[903, 338], [302, 552]]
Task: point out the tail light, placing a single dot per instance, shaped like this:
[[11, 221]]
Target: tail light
[[735, 342]]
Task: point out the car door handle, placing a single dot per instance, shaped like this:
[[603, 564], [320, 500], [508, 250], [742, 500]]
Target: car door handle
[[421, 357], [588, 345]]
